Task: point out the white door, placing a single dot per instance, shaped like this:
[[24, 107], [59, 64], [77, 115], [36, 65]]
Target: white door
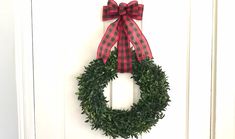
[[66, 34]]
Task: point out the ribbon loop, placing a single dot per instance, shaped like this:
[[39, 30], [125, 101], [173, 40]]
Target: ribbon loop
[[123, 31]]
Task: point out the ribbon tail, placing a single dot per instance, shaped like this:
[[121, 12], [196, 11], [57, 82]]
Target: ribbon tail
[[136, 37], [124, 51], [108, 40]]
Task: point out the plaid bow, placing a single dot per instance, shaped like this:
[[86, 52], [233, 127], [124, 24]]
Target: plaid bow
[[123, 31]]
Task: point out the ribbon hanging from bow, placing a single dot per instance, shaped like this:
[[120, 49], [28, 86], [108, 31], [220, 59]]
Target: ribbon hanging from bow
[[123, 31]]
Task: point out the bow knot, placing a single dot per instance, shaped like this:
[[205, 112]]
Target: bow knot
[[122, 9], [123, 31], [132, 9]]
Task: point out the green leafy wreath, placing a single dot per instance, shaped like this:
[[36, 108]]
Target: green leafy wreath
[[123, 123]]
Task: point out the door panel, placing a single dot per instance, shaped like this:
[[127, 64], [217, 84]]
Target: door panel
[[200, 69], [66, 34], [166, 27], [225, 120]]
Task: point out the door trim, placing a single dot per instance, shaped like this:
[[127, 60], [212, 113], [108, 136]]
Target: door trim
[[214, 71], [24, 69]]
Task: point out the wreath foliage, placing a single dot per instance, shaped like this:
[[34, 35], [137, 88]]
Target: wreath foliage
[[123, 123]]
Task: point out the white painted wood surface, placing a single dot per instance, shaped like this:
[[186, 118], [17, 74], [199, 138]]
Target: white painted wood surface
[[8, 98], [24, 69], [57, 63], [66, 35], [200, 69], [165, 25], [225, 114]]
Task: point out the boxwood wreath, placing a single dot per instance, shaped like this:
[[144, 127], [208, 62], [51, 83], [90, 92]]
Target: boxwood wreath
[[123, 123]]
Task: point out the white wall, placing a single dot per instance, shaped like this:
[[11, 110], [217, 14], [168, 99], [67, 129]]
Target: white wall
[[8, 103]]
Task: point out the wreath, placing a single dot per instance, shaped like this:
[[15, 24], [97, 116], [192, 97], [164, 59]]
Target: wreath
[[151, 79], [123, 123]]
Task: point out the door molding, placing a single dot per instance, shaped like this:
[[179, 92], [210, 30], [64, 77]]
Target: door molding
[[24, 69], [213, 71]]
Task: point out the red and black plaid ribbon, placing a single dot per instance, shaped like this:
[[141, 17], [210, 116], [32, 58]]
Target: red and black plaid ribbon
[[123, 31]]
